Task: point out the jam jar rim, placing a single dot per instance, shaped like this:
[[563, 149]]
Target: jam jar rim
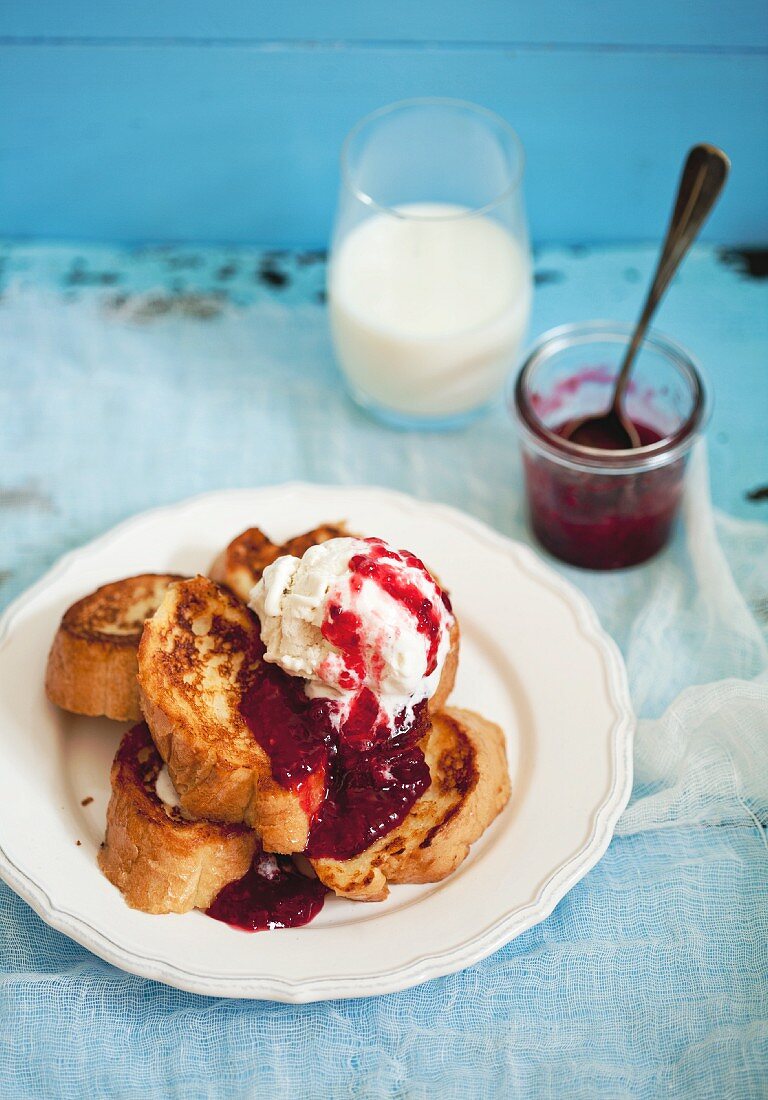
[[631, 460]]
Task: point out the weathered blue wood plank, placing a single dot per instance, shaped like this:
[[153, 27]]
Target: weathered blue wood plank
[[138, 377], [239, 144], [661, 23]]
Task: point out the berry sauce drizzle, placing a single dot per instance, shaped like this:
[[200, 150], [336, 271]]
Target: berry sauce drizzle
[[271, 894], [365, 792], [281, 718], [385, 567], [371, 774], [369, 792]]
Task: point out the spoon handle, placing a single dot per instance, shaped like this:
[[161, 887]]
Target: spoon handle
[[704, 174]]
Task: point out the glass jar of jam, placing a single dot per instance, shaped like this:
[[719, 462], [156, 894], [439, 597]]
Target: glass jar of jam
[[595, 506]]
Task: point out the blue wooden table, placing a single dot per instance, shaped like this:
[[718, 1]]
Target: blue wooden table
[[221, 121], [134, 377]]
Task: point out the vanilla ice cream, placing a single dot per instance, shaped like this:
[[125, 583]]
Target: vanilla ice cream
[[353, 616], [165, 790]]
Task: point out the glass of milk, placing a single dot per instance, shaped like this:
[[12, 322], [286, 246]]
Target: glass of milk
[[429, 276]]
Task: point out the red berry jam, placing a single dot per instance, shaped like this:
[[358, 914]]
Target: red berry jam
[[390, 577], [372, 773], [280, 716], [601, 520], [370, 792], [271, 894], [370, 784]]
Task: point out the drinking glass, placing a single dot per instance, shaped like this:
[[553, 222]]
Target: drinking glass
[[429, 276]]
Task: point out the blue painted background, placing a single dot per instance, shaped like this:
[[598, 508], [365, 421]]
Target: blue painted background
[[222, 121]]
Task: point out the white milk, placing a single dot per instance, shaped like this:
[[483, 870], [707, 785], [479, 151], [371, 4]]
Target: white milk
[[428, 312]]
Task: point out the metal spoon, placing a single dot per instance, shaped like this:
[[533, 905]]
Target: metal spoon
[[704, 175]]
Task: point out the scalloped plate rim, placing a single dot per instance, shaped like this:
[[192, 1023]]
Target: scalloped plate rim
[[426, 967]]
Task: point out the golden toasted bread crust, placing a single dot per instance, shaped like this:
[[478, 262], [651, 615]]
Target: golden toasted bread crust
[[240, 565], [92, 663], [195, 659], [159, 861], [470, 786], [448, 675]]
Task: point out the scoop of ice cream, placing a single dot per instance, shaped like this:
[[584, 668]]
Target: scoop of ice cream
[[353, 617]]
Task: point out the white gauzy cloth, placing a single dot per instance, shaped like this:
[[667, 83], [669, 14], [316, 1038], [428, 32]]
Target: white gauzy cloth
[[703, 756]]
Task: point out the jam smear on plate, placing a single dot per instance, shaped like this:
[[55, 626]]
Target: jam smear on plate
[[271, 894]]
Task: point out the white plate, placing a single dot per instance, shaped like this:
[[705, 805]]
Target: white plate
[[533, 659]]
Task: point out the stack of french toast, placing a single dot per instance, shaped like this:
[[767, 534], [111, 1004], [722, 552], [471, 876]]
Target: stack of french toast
[[196, 798]]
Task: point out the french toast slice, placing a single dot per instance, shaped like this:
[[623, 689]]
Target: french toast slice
[[92, 662], [161, 862], [240, 564], [197, 656], [470, 786]]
